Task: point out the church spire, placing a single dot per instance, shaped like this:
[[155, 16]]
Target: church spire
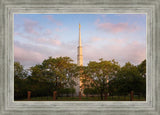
[[79, 34], [79, 56]]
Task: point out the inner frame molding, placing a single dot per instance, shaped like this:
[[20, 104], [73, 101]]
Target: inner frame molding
[[149, 107]]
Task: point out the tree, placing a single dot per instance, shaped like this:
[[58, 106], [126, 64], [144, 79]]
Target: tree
[[20, 75], [127, 79], [90, 91], [67, 91], [142, 68], [19, 71], [59, 72], [99, 73]]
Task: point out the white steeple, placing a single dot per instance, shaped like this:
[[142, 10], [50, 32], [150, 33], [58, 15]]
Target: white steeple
[[79, 56], [79, 62]]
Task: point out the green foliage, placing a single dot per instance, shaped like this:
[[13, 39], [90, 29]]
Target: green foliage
[[66, 91], [128, 79], [52, 75], [98, 78], [19, 71], [98, 74], [58, 71], [142, 68], [20, 75], [90, 91]]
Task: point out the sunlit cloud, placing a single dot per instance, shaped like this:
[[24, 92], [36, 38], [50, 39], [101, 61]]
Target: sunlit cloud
[[60, 29], [48, 41], [50, 18], [95, 39], [31, 54], [47, 32], [27, 57], [30, 26], [123, 50], [36, 39], [116, 28]]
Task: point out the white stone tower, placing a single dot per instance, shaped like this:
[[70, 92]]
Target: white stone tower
[[79, 56], [79, 61]]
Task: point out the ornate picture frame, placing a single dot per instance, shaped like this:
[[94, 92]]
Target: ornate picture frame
[[10, 7]]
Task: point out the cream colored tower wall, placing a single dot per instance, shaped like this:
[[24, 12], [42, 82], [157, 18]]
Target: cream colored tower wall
[[79, 56], [79, 61], [77, 87]]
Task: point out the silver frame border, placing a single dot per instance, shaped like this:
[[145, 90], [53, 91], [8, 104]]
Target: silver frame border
[[10, 7]]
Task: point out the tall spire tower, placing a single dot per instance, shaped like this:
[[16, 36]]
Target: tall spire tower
[[79, 62], [79, 56]]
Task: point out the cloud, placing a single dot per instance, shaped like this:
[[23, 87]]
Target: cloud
[[47, 32], [33, 32], [22, 35], [135, 52], [120, 49], [30, 27], [42, 43], [47, 40], [30, 54], [50, 18], [95, 39], [27, 57], [115, 28]]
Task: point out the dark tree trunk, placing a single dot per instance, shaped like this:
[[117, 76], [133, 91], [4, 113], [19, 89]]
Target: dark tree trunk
[[56, 87], [101, 96]]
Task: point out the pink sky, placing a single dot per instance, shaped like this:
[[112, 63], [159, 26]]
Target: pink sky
[[102, 37]]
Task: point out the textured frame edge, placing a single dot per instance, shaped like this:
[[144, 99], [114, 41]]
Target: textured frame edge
[[5, 63]]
